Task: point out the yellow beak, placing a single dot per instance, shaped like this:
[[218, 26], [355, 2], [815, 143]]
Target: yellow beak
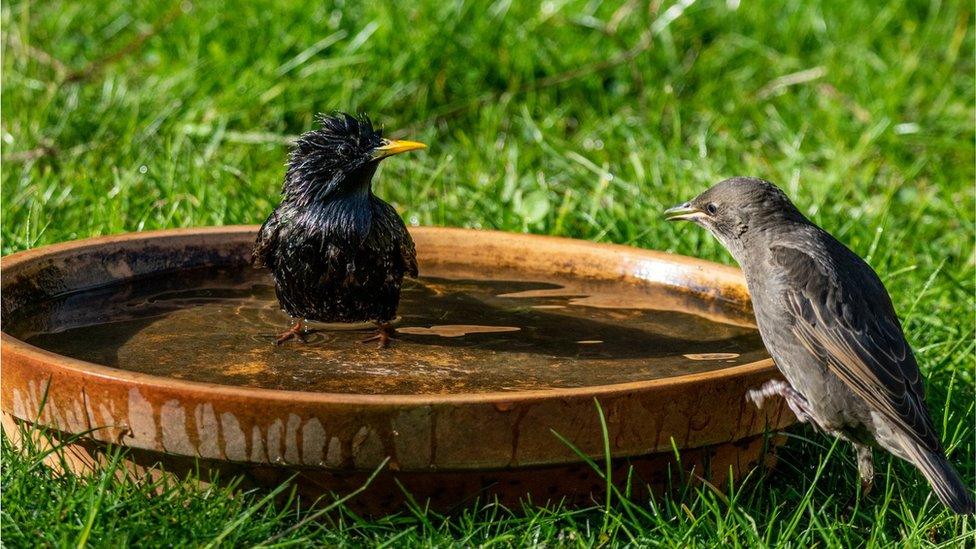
[[389, 148]]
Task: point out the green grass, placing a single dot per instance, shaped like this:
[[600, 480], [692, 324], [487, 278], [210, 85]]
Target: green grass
[[582, 119]]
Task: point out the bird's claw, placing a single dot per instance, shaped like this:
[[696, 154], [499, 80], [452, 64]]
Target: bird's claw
[[757, 397], [384, 334], [800, 410], [297, 331], [866, 486], [383, 338], [796, 402]]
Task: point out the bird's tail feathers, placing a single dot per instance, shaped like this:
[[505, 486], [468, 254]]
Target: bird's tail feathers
[[945, 481]]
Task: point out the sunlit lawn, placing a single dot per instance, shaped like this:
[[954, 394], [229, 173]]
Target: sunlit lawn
[[582, 119]]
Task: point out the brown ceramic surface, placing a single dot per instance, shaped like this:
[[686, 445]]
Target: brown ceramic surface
[[440, 432]]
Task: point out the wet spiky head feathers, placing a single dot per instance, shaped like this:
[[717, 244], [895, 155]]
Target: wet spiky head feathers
[[334, 159]]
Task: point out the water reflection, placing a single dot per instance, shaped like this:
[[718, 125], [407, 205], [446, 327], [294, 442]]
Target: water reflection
[[454, 335]]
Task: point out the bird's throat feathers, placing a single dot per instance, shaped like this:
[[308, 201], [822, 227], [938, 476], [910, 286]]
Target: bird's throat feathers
[[306, 184], [347, 218], [334, 205]]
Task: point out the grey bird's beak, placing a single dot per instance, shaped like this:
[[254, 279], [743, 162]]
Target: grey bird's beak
[[684, 211]]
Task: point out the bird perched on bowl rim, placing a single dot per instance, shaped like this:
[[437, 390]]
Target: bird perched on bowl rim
[[336, 251], [829, 324]]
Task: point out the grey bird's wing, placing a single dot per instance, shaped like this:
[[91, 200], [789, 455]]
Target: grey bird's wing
[[844, 316]]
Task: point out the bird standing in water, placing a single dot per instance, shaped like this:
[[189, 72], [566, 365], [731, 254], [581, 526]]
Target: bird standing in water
[[829, 324], [336, 251]]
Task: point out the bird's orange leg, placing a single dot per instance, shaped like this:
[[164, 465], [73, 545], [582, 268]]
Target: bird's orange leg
[[384, 334], [296, 331]]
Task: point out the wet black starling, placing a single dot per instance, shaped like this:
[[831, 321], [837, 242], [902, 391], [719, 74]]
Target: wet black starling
[[337, 252], [829, 324]]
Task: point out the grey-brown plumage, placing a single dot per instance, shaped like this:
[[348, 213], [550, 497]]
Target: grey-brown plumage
[[829, 324], [337, 252]]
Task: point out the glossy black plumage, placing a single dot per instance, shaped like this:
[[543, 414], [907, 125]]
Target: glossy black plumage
[[337, 252]]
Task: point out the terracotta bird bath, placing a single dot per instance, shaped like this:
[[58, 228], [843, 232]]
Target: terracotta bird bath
[[163, 342]]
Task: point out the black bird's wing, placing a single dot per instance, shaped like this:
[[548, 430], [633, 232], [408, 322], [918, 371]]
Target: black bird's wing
[[846, 318], [408, 253], [393, 236], [263, 254], [395, 233]]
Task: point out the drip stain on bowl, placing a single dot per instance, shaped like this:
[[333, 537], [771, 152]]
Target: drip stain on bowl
[[455, 336]]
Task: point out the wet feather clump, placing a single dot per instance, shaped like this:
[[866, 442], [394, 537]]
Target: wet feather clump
[[336, 251]]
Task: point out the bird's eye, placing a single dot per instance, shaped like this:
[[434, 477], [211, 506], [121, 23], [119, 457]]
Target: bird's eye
[[711, 208], [344, 150]]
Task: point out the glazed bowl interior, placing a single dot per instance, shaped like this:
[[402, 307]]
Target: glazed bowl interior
[[490, 313]]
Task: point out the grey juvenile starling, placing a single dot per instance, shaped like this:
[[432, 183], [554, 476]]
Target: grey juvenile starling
[[336, 251], [829, 324]]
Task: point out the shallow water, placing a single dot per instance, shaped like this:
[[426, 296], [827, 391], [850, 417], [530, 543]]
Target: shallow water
[[454, 336]]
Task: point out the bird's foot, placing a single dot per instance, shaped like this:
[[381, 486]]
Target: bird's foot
[[798, 405], [865, 468], [800, 409], [866, 485], [297, 331], [384, 335]]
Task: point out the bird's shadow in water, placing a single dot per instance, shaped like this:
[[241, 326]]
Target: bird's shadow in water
[[556, 332]]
